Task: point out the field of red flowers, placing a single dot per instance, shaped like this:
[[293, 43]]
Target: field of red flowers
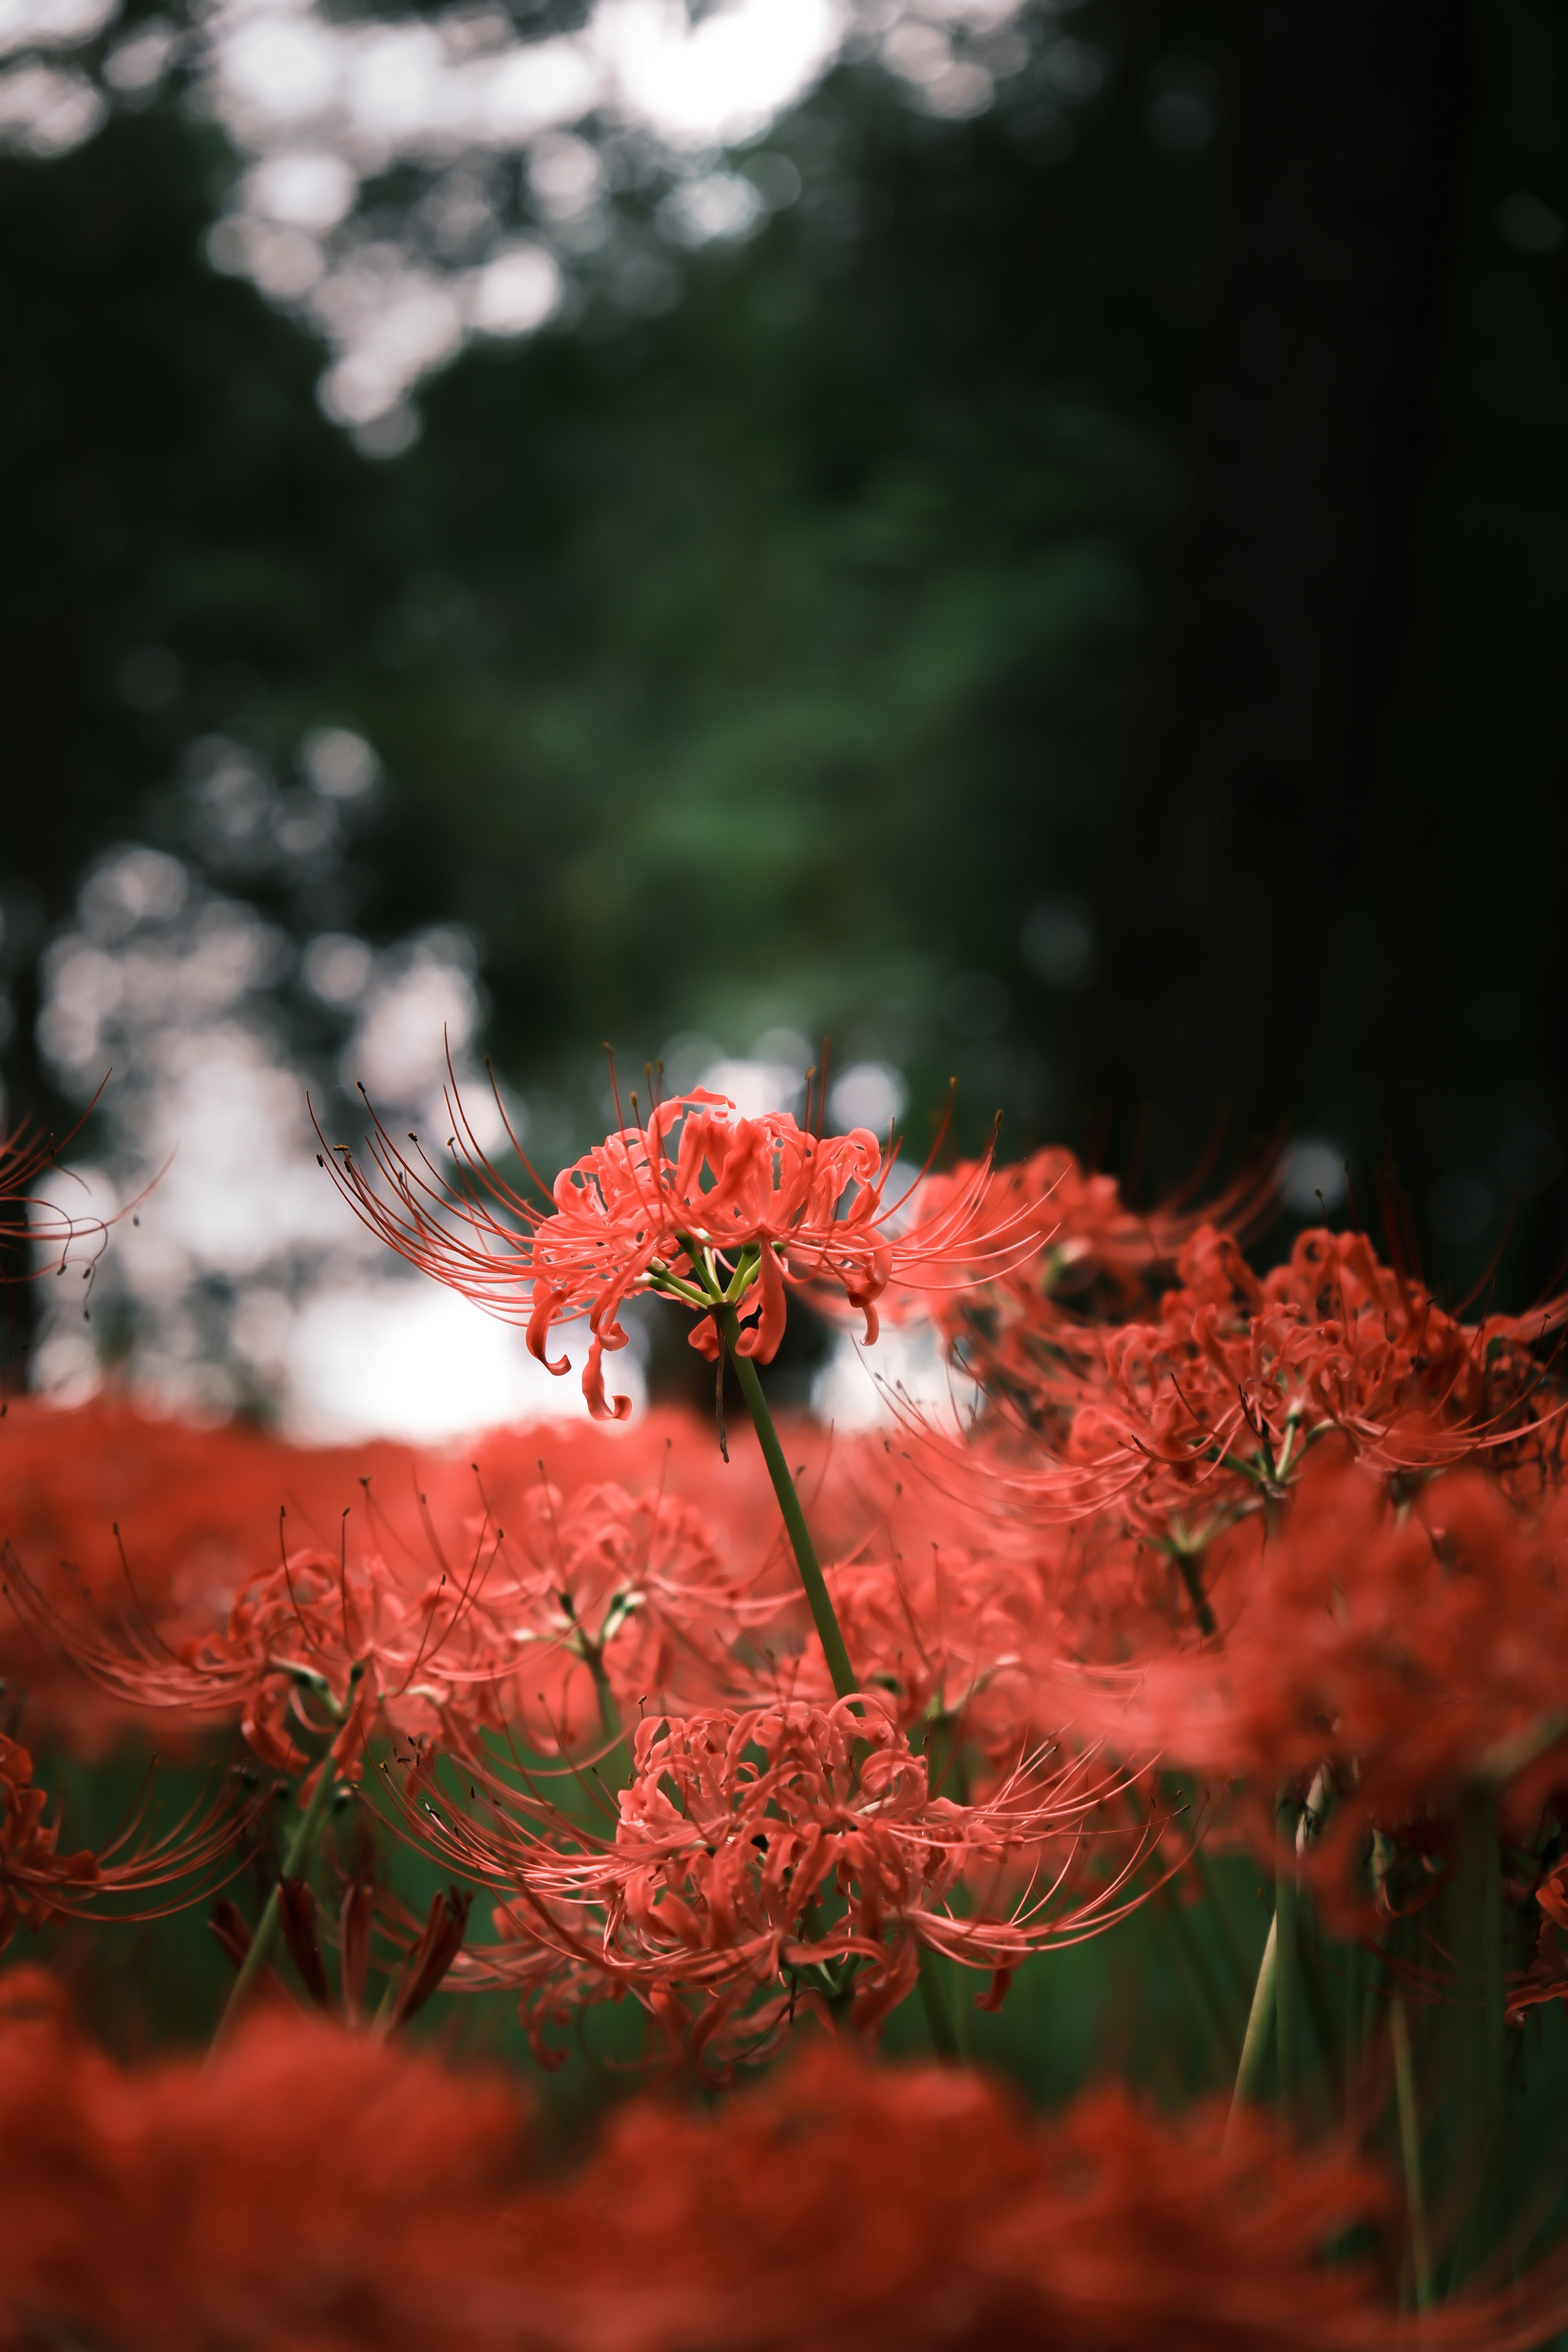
[[592, 1889]]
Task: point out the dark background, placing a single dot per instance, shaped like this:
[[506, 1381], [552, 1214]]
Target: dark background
[[1077, 602]]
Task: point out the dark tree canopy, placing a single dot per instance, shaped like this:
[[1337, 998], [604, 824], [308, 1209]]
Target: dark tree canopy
[[1076, 601]]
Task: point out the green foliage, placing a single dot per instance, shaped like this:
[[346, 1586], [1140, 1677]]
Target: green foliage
[[771, 658]]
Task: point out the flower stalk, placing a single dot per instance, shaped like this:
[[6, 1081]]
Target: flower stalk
[[296, 1861], [1410, 2151], [817, 1598], [301, 1846], [1286, 1972], [1260, 2018]]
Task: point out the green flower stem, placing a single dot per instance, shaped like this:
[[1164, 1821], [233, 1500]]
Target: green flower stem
[[1410, 2151], [1287, 1969], [613, 1765], [295, 1862], [1255, 2042], [592, 1655], [1191, 1573], [806, 1561]]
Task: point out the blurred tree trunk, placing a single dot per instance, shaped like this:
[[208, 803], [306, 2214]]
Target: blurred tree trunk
[[31, 1103], [1347, 134]]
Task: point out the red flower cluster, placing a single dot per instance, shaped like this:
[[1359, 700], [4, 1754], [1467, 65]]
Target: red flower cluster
[[1014, 1311], [1268, 1529], [322, 2191], [151, 1523], [597, 1601], [318, 2191], [767, 1862], [1205, 1407], [152, 1527], [329, 1648], [1411, 1645], [1313, 1519], [39, 1884], [310, 2191], [695, 1200]]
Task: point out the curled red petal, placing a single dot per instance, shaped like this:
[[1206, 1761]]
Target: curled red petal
[[761, 1339], [602, 1408]]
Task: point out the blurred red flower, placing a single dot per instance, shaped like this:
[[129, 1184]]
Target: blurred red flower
[[1407, 1641], [315, 2191], [39, 1884]]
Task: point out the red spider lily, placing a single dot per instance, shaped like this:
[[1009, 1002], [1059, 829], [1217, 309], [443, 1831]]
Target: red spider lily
[[1090, 1254], [963, 1640], [1208, 1411], [198, 1512], [36, 1218], [336, 2192], [84, 1489], [599, 1602], [697, 1200], [1410, 1644], [614, 1601], [1215, 1402], [39, 1884], [333, 1646], [786, 1857]]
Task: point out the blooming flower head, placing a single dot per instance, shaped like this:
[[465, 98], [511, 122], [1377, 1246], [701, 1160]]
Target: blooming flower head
[[1406, 1643], [1082, 1255], [150, 1524], [956, 1638], [766, 1862], [629, 1599], [314, 1642], [36, 1878], [696, 1203], [1213, 1403], [1208, 1406], [39, 1884]]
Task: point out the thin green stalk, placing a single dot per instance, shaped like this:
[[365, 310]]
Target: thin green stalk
[[609, 1712], [806, 1561], [613, 1767], [1191, 1575], [1287, 1968], [1410, 2151], [295, 1862], [1300, 1989], [1255, 2042]]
